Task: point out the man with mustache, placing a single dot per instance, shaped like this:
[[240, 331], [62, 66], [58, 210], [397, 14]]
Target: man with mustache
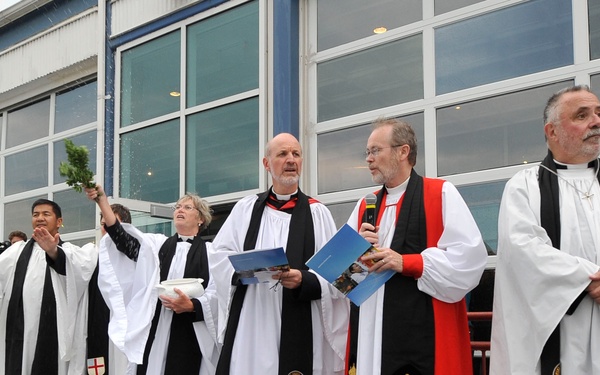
[[299, 326], [547, 288]]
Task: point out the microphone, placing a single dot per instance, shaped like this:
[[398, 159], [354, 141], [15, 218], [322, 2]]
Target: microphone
[[371, 201]]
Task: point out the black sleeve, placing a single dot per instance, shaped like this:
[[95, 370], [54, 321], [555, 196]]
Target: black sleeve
[[125, 242], [198, 313], [310, 289], [60, 264]]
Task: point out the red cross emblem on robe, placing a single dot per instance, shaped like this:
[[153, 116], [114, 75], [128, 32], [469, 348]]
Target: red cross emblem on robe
[[95, 366]]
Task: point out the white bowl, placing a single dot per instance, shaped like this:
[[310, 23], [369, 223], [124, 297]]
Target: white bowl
[[191, 287]]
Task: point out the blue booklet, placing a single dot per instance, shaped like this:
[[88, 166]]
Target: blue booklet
[[339, 263], [259, 266]]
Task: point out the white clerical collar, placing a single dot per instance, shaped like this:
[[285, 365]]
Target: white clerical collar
[[397, 190], [186, 238], [283, 197], [560, 165]]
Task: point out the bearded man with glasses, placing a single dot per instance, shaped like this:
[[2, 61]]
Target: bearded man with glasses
[[416, 323], [171, 335]]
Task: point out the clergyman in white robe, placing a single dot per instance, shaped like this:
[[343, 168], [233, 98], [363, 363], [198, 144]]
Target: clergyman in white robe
[[536, 283], [71, 295], [128, 289], [256, 346]]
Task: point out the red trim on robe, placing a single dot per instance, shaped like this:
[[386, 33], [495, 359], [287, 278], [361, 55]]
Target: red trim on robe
[[452, 341]]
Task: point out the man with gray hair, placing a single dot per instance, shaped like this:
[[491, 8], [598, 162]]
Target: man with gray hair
[[547, 289], [416, 323]]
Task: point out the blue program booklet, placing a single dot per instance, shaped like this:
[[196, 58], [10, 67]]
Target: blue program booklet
[[339, 263], [259, 266]]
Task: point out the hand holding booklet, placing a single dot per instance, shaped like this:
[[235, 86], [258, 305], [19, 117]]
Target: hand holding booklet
[[339, 263], [259, 265]]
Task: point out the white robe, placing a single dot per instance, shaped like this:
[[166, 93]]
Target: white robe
[[256, 346], [450, 270], [536, 283], [71, 293], [128, 289]]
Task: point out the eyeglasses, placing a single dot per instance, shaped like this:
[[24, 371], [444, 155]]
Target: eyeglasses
[[374, 151], [187, 207]]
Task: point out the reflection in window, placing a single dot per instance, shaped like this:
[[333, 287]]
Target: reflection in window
[[378, 77], [444, 6], [595, 83], [28, 123], [26, 170], [484, 202], [343, 21], [75, 107], [150, 79], [504, 44], [494, 132], [78, 214], [594, 25], [19, 213], [60, 154], [223, 55], [341, 161], [222, 152], [149, 166]]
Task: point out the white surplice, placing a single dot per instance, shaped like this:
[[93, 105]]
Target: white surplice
[[536, 283], [450, 270], [256, 346], [128, 289], [71, 294]]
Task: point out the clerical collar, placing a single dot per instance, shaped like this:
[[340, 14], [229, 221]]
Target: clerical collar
[[398, 189], [189, 239], [591, 164], [282, 197]]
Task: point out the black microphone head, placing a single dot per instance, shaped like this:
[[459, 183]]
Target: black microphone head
[[370, 199]]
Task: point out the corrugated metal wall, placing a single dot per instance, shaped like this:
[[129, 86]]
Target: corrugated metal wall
[[66, 44], [129, 14]]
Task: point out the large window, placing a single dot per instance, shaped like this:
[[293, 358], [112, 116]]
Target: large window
[[503, 130], [343, 21], [374, 78], [341, 156], [594, 25], [216, 135], [526, 38], [34, 149]]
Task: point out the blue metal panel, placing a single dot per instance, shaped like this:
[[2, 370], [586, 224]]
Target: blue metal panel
[[286, 97]]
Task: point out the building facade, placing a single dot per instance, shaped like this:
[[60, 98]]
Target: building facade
[[172, 96]]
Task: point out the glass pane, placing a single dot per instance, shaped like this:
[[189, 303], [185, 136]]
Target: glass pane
[[484, 202], [341, 212], [223, 55], [77, 211], [595, 83], [341, 160], [1, 132], [26, 170], [83, 241], [508, 43], [493, 132], [150, 79], [374, 78], [28, 123], [343, 21], [60, 153], [17, 216], [75, 107], [444, 6], [594, 24], [150, 163], [222, 153]]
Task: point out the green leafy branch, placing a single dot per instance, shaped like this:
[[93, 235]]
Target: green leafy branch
[[76, 170]]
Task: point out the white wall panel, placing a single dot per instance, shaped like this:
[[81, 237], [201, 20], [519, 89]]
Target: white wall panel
[[129, 14], [62, 46]]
